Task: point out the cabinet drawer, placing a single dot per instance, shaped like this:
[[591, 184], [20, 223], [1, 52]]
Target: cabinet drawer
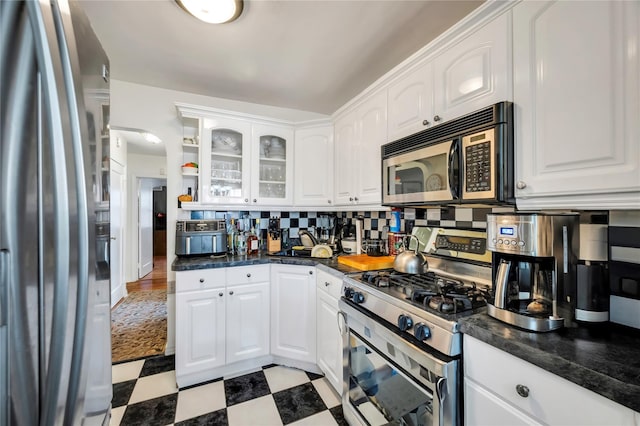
[[501, 373], [329, 284], [247, 274], [200, 279]]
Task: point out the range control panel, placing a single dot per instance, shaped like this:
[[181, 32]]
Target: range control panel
[[460, 243]]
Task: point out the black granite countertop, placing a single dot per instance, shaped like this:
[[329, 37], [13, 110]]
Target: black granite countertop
[[605, 360], [208, 262]]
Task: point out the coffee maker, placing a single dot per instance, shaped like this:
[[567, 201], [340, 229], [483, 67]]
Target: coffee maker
[[534, 257]]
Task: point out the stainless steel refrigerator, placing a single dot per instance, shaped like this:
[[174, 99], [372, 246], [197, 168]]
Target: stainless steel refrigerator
[[55, 348]]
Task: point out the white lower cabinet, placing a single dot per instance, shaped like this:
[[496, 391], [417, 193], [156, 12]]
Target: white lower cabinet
[[293, 312], [222, 317], [329, 338], [501, 389], [200, 331]]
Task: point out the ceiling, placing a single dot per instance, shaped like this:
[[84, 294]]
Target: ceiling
[[308, 55], [136, 143]]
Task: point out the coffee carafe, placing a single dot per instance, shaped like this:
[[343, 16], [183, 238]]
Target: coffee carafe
[[534, 258]]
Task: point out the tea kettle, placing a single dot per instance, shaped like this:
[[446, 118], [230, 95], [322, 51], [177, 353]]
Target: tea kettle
[[411, 262]]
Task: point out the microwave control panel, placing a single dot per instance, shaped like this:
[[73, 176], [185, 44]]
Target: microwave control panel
[[478, 166]]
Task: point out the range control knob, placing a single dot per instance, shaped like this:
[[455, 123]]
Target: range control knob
[[422, 331], [357, 297], [405, 322], [348, 292]]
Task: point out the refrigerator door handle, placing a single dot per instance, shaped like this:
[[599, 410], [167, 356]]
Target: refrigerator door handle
[[82, 296], [43, 32], [4, 286]]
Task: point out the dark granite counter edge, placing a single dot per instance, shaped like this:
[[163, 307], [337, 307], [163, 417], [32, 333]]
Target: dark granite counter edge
[[621, 390]]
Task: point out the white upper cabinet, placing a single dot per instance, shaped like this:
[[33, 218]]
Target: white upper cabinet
[[469, 75], [411, 103], [577, 104], [272, 165], [345, 142], [226, 160], [473, 73], [313, 166], [372, 133], [358, 138]]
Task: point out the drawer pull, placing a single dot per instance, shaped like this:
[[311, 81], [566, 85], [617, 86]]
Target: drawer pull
[[231, 293], [249, 275], [522, 390], [221, 294], [310, 272], [201, 280], [327, 283]]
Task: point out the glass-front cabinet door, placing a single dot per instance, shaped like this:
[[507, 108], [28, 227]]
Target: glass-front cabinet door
[[272, 165], [226, 161]]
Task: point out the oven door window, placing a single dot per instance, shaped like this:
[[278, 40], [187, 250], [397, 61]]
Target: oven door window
[[420, 175], [381, 393]]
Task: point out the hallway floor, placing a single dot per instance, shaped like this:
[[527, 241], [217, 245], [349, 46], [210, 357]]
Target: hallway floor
[[145, 393]]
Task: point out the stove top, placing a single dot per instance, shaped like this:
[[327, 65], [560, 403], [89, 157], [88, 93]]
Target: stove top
[[425, 307], [431, 291]]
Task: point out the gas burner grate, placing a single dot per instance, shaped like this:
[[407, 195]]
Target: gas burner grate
[[432, 291]]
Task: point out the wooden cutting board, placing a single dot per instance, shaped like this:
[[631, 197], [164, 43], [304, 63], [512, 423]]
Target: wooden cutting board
[[367, 263]]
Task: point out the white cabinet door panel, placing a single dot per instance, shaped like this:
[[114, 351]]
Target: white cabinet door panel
[[576, 95], [329, 340], [247, 321], [200, 330], [475, 72], [410, 103], [313, 167], [293, 312], [372, 131], [483, 408], [345, 134]]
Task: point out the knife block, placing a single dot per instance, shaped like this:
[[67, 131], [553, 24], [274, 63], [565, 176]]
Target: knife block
[[274, 243]]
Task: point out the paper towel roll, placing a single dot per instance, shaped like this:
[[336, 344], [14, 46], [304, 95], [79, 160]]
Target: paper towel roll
[[593, 242]]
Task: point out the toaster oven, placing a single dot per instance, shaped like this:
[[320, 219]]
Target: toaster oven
[[200, 237]]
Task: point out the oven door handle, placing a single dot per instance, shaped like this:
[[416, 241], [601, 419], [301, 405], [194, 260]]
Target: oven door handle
[[342, 329], [441, 391]]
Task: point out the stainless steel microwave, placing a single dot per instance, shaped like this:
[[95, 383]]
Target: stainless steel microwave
[[466, 160]]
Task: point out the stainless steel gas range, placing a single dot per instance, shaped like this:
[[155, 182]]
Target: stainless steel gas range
[[402, 348]]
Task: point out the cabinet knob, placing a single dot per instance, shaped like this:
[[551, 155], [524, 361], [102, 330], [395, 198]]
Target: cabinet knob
[[437, 118], [255, 200], [249, 275], [522, 390], [355, 198], [521, 185], [310, 272], [201, 280], [221, 294], [231, 293], [425, 122], [327, 283], [329, 201], [246, 200], [350, 198]]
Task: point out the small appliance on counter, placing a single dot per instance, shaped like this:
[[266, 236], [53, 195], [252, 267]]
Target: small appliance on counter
[[200, 237], [274, 235], [534, 268], [592, 288]]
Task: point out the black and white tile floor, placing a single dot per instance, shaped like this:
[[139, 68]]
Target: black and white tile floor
[[145, 393]]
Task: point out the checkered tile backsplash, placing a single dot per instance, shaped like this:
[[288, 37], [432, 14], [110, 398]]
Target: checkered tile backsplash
[[374, 221]]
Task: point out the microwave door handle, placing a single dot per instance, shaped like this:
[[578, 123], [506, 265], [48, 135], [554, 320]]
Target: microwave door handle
[[453, 161]]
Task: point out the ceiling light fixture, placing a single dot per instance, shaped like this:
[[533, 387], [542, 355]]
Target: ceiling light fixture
[[213, 11]]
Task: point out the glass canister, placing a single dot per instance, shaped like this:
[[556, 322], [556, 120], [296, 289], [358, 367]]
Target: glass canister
[[395, 242]]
